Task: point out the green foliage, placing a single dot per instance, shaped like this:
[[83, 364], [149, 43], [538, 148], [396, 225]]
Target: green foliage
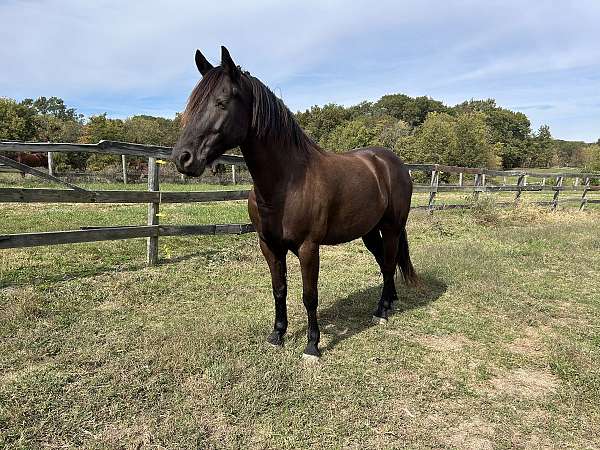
[[474, 142], [366, 131], [319, 121], [435, 141], [509, 130], [102, 128], [16, 121], [52, 106], [150, 130], [461, 140], [410, 110], [541, 150], [419, 129], [593, 162]]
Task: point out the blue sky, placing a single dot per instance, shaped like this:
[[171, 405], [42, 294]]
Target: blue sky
[[128, 57]]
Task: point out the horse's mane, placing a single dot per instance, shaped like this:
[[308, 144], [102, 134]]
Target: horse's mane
[[270, 116]]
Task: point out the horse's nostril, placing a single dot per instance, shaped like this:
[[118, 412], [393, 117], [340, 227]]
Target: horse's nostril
[[186, 158]]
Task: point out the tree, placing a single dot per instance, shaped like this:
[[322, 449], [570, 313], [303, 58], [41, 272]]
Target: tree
[[53, 106], [541, 149], [594, 160], [150, 130], [463, 140], [435, 141], [319, 121], [410, 110], [474, 142], [509, 131], [16, 121], [102, 128]]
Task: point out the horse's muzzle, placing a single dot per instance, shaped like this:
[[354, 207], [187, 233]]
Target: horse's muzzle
[[187, 163]]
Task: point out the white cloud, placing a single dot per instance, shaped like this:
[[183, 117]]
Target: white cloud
[[129, 57]]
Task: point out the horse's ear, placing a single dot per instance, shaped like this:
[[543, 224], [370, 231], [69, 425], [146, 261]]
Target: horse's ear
[[202, 63], [227, 63]]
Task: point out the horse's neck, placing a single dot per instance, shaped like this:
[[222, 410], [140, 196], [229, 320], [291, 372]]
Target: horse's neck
[[274, 167]]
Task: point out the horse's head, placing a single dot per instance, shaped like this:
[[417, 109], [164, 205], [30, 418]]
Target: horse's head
[[217, 117]]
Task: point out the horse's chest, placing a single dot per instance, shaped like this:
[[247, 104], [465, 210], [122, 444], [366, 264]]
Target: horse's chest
[[279, 225]]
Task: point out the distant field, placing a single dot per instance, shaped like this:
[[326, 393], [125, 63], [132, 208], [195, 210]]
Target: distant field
[[500, 349]]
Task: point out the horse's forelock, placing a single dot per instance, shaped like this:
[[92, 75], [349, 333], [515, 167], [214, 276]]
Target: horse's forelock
[[201, 93]]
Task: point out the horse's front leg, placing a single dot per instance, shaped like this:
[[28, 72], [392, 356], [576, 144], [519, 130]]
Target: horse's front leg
[[275, 257], [309, 264]]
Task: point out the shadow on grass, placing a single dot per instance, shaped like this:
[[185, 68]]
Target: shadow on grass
[[353, 314]]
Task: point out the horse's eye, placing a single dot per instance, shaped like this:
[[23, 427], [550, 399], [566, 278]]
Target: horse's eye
[[221, 104]]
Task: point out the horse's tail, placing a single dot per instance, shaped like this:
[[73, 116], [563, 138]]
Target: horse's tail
[[404, 262]]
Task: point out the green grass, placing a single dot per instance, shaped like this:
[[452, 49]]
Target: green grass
[[499, 349]]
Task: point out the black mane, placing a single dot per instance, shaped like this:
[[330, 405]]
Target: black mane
[[270, 117]]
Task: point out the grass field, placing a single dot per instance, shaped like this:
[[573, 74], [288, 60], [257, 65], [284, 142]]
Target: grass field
[[499, 349]]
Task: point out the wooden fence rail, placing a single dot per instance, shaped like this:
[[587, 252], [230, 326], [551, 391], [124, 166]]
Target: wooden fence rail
[[154, 196]]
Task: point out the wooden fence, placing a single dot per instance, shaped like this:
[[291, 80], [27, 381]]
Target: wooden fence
[[551, 182]]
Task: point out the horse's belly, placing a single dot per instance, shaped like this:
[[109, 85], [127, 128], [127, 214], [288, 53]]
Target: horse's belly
[[348, 228]]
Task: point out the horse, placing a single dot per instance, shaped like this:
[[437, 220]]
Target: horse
[[303, 196], [36, 159]]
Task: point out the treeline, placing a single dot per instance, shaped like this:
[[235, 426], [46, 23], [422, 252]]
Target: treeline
[[474, 133], [50, 120]]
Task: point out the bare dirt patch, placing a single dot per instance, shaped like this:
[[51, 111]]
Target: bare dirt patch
[[526, 383], [475, 434], [446, 343], [531, 343]]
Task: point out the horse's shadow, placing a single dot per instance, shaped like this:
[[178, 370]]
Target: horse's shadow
[[351, 315]]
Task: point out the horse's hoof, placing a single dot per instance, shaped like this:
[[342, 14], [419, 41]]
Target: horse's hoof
[[379, 320], [312, 359], [275, 340]]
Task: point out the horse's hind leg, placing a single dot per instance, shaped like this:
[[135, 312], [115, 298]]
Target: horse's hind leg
[[390, 239], [374, 244], [404, 262]]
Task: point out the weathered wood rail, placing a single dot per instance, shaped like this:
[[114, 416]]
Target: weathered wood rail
[[154, 197]]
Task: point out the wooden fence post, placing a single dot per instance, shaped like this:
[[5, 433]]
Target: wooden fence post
[[475, 185], [559, 183], [544, 181], [504, 181], [584, 195], [435, 182], [461, 179], [233, 173], [519, 184], [50, 164], [153, 185], [124, 164]]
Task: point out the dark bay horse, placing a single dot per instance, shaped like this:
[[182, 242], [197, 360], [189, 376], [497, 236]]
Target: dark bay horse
[[303, 196]]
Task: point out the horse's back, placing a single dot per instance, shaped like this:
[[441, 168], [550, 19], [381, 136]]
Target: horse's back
[[388, 164], [395, 175]]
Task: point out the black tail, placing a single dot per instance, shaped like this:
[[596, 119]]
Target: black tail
[[404, 262]]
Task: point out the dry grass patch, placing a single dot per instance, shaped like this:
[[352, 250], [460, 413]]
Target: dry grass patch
[[525, 383], [445, 343], [532, 343], [474, 434]]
